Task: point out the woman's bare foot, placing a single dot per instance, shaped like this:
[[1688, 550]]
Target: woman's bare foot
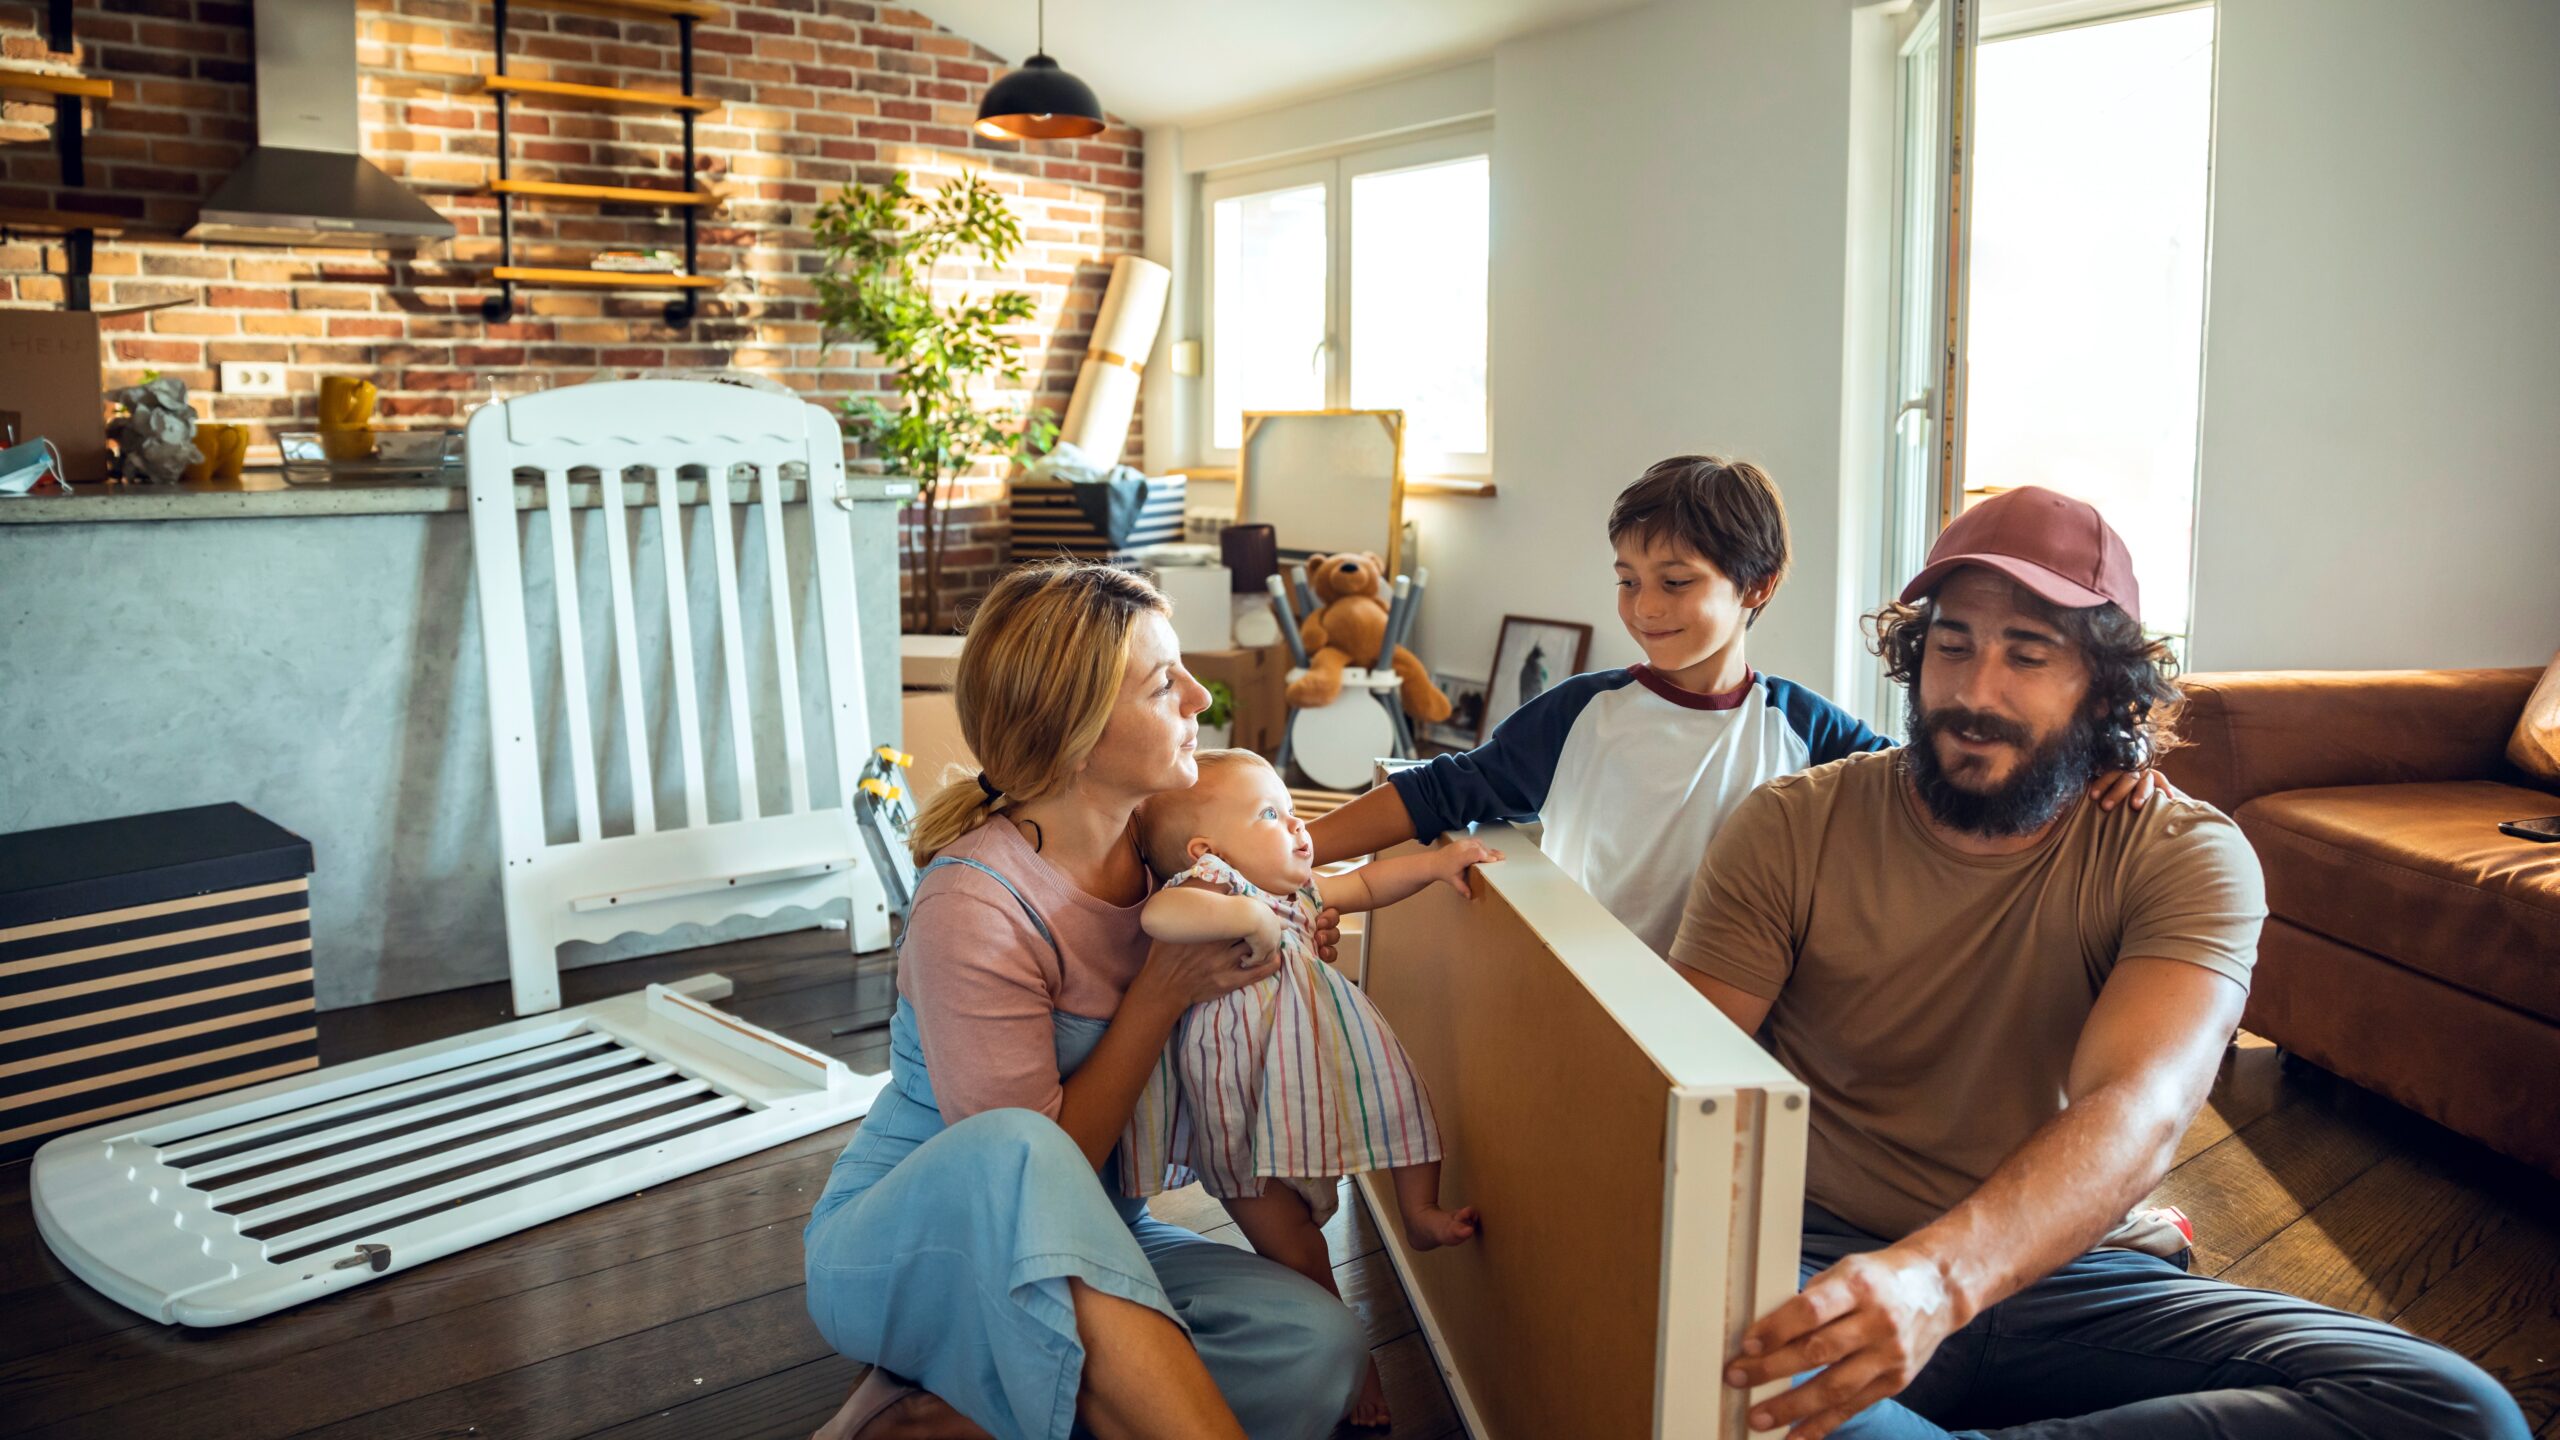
[[1431, 1227], [871, 1413], [1369, 1408]]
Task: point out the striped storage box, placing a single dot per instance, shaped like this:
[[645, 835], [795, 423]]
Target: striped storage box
[[1060, 517], [149, 960]]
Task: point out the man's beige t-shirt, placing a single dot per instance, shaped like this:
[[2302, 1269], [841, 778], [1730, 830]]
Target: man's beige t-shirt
[[1931, 1000]]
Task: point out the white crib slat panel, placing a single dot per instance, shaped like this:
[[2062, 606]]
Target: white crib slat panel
[[786, 646], [626, 656], [366, 1219], [337, 1162], [526, 1055], [498, 564], [733, 640], [831, 550], [209, 1177], [680, 638], [438, 1161], [573, 651]]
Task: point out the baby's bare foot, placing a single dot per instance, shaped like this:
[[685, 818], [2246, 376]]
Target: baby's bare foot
[[1432, 1228], [1369, 1408]]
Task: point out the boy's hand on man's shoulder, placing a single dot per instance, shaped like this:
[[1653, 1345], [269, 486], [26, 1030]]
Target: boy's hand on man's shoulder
[[2118, 787]]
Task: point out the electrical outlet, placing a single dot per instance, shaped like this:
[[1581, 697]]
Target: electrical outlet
[[252, 377]]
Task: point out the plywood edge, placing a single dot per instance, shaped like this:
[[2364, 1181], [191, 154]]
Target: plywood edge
[[1377, 1188], [1686, 1037]]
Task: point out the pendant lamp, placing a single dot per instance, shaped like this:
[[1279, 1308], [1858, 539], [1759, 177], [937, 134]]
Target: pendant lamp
[[1040, 101]]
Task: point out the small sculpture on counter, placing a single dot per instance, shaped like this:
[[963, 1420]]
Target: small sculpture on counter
[[155, 436]]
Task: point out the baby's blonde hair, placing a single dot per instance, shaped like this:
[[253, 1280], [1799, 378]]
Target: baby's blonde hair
[[1167, 822]]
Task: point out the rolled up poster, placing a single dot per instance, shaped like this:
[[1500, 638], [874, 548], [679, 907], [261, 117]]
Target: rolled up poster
[[1106, 393], [1098, 417]]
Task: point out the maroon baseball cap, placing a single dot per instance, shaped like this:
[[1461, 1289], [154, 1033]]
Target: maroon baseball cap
[[2054, 545]]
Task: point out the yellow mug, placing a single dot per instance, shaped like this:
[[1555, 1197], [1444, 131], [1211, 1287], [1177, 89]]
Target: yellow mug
[[346, 417], [224, 447], [346, 402]]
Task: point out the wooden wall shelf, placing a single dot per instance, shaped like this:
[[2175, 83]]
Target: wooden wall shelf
[[13, 217], [599, 94], [617, 279], [632, 9], [46, 82], [607, 194], [689, 200], [1454, 485]]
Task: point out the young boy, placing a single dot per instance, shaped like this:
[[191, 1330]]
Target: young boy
[[1632, 770]]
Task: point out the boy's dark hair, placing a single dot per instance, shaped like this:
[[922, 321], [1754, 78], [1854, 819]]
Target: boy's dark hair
[[1725, 510]]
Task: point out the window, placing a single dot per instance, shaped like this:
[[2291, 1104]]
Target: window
[[2085, 333], [2048, 217], [1358, 282]]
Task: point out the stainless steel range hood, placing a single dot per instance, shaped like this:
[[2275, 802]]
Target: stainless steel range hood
[[304, 183]]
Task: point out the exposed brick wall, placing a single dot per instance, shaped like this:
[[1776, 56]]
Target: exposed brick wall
[[820, 92]]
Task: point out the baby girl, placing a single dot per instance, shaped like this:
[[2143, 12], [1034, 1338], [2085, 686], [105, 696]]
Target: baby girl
[[1294, 1078]]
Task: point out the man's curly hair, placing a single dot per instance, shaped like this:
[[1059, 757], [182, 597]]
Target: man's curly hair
[[2133, 679]]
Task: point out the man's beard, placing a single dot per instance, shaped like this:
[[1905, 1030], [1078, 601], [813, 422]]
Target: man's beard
[[2049, 777]]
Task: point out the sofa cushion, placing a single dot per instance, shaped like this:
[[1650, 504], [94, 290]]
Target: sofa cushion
[[2419, 874]]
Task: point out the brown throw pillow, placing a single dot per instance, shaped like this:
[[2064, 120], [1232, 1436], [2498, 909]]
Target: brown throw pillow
[[2535, 747]]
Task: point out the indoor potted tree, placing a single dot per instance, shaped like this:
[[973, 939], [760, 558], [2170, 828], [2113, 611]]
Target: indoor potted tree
[[946, 356]]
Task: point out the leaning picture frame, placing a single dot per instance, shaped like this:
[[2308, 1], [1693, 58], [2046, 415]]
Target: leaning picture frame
[[1466, 713], [1530, 657]]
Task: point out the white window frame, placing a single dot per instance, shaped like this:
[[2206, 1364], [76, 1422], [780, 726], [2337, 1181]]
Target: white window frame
[[1335, 171]]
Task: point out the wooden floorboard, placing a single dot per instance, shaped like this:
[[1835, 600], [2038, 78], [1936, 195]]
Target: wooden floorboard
[[680, 1313]]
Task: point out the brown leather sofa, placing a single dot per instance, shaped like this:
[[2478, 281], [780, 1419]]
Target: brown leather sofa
[[2410, 947]]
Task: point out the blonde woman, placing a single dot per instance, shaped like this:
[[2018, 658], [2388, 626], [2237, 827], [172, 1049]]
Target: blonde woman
[[965, 1246]]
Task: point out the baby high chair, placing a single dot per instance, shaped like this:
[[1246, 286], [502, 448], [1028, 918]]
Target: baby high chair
[[1337, 745]]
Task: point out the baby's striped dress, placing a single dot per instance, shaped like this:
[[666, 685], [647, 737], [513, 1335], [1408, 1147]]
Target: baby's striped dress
[[1295, 1077]]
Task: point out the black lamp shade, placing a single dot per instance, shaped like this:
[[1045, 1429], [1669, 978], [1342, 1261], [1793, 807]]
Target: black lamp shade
[[1039, 102]]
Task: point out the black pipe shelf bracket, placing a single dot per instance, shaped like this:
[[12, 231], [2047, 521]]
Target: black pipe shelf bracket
[[70, 112], [687, 283]]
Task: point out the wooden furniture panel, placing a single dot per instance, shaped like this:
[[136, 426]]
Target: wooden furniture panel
[[1638, 1161]]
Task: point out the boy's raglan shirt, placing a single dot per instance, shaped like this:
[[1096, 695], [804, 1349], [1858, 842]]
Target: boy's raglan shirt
[[1632, 776]]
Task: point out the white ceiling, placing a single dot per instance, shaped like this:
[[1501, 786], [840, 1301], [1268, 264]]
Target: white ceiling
[[1170, 61]]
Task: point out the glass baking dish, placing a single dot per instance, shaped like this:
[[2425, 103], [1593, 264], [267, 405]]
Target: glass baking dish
[[310, 457]]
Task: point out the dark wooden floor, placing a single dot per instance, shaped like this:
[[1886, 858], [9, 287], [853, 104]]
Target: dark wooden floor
[[678, 1312]]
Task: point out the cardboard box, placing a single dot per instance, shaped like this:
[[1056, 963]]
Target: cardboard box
[[1259, 676], [51, 386]]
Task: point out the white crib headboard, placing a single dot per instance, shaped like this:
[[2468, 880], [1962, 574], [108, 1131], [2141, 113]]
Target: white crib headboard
[[675, 864]]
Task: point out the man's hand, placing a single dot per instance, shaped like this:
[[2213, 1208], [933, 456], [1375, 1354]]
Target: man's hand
[[1869, 1323]]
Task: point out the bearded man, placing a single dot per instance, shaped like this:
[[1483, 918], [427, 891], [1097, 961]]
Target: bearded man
[[2008, 1004]]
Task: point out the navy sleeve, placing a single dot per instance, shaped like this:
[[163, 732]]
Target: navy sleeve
[[1829, 731], [1506, 777]]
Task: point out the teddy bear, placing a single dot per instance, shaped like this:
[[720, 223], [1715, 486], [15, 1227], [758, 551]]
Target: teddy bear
[[1347, 628]]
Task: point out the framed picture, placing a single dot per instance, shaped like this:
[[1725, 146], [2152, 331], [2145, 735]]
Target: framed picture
[[1466, 713], [1529, 658]]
